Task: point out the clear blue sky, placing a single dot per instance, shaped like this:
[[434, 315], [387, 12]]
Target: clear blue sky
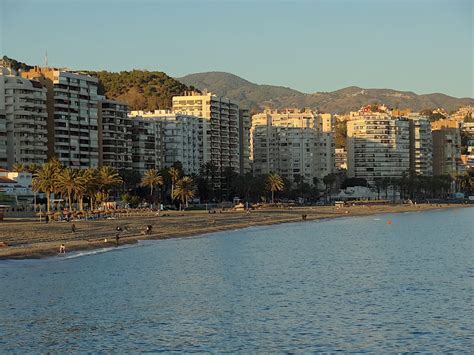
[[417, 45]]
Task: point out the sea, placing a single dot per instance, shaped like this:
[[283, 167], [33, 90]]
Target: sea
[[382, 283]]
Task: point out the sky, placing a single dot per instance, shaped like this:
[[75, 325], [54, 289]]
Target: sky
[[423, 46]]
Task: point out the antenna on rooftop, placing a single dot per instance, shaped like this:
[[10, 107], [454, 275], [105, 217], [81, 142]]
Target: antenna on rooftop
[[46, 59]]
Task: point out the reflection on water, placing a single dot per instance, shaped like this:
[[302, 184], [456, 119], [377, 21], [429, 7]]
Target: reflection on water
[[349, 284]]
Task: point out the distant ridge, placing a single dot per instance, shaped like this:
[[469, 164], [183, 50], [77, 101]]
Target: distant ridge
[[150, 90], [347, 99]]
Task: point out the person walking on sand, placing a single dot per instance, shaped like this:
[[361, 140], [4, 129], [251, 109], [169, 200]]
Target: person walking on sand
[[62, 249], [73, 228]]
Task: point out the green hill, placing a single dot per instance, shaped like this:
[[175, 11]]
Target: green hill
[[141, 89]]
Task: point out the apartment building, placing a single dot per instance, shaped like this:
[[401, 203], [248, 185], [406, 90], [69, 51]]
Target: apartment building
[[292, 143], [3, 137], [341, 158], [72, 105], [223, 117], [446, 147], [115, 134], [147, 144], [378, 146], [185, 138], [421, 145], [327, 145], [23, 120], [244, 141]]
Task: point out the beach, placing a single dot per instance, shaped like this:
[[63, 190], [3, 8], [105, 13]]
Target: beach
[[28, 238]]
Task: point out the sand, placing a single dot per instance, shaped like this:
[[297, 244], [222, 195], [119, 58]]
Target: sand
[[28, 238]]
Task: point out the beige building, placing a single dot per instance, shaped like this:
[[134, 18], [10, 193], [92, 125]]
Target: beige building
[[421, 145], [446, 147], [378, 146], [23, 120], [223, 117], [115, 134], [292, 143], [72, 104], [185, 138]]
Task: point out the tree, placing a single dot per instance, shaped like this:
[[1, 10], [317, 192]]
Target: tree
[[329, 180], [151, 178], [68, 182], [19, 168], [130, 178], [274, 183], [184, 190], [45, 181], [107, 178], [175, 175]]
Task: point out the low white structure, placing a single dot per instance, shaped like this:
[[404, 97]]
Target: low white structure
[[357, 193], [16, 185]]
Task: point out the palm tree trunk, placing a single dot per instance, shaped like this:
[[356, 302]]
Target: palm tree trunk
[[48, 202], [273, 192], [81, 203], [69, 200], [151, 190], [172, 192]]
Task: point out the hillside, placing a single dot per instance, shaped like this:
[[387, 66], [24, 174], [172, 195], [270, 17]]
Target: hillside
[[141, 89], [339, 101]]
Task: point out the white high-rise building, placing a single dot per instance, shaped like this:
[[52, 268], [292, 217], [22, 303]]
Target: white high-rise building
[[23, 120], [185, 138], [223, 117], [421, 145], [292, 143], [378, 146], [72, 116]]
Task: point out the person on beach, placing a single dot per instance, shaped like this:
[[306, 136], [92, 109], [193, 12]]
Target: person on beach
[[117, 239], [119, 229], [148, 229], [62, 249], [73, 228]]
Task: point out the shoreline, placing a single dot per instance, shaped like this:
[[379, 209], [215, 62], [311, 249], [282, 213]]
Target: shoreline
[[35, 240]]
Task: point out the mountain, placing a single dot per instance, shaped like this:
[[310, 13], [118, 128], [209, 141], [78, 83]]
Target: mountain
[[348, 99]]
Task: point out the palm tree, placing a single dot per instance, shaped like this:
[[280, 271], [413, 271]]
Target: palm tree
[[151, 178], [66, 183], [45, 180], [91, 186], [184, 190], [19, 168], [107, 178], [275, 183], [175, 175], [83, 181]]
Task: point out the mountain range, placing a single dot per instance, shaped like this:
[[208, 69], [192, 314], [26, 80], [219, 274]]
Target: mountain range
[[150, 90], [257, 96]]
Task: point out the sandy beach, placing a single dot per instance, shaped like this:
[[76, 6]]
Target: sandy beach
[[32, 239]]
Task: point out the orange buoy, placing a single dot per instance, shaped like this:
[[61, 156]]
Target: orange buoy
[[389, 221]]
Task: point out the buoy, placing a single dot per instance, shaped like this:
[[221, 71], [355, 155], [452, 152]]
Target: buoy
[[389, 222]]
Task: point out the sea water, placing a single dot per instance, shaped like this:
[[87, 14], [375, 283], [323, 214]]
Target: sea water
[[349, 284]]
